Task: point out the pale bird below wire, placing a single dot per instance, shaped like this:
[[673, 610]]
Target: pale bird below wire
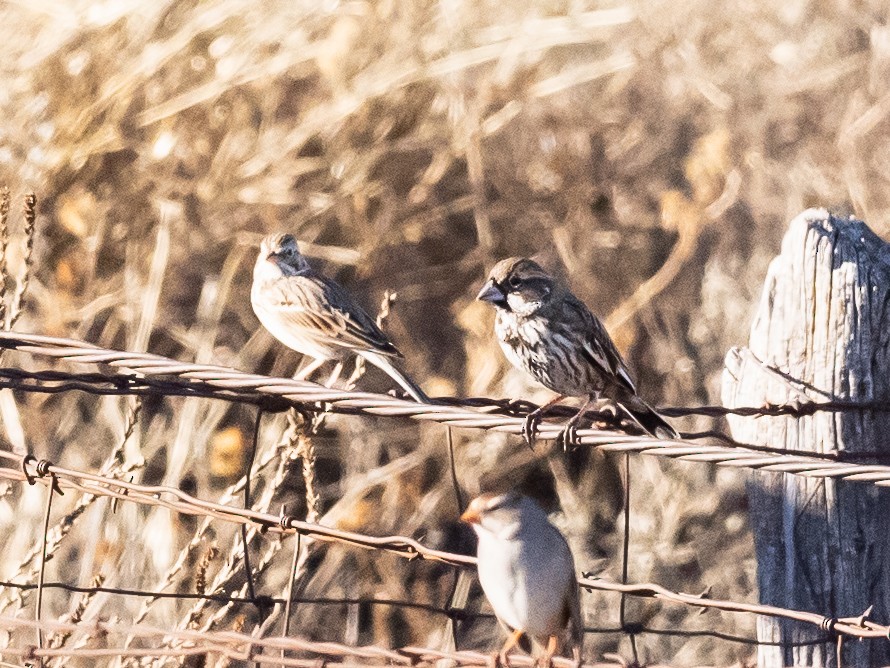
[[527, 572], [313, 315]]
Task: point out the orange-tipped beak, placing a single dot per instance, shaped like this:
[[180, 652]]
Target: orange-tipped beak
[[470, 516]]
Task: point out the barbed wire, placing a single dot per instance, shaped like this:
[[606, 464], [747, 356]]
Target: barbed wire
[[136, 373], [59, 478], [57, 382], [141, 374], [244, 647], [458, 614]]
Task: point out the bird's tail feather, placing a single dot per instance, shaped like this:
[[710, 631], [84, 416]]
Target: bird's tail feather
[[577, 621], [650, 421], [385, 363]]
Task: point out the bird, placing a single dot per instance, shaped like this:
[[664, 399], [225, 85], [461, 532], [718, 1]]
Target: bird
[[527, 572], [548, 332], [310, 313]]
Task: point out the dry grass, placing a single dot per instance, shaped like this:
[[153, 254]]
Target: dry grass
[[651, 152]]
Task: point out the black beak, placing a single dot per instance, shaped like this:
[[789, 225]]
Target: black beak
[[491, 292]]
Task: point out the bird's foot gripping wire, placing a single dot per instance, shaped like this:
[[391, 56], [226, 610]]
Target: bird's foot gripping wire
[[533, 419], [530, 427], [568, 437], [546, 661], [503, 655]]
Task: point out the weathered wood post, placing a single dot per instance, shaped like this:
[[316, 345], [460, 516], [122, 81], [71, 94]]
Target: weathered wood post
[[824, 323]]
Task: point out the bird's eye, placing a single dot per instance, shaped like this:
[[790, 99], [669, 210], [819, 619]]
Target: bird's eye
[[514, 281]]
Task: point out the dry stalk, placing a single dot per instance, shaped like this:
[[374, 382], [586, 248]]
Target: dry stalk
[[210, 554], [4, 243], [261, 567], [112, 467], [231, 567], [296, 440], [237, 626], [715, 189], [75, 617], [90, 633], [196, 541], [30, 212], [201, 576]]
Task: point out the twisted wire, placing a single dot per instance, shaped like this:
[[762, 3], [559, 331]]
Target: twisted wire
[[177, 500], [137, 373]]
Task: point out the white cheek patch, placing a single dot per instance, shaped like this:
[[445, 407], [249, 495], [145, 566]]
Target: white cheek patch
[[519, 305], [267, 271]]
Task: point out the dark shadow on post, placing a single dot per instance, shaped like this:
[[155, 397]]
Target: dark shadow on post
[[821, 545]]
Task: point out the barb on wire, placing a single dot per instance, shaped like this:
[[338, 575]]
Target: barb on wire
[[408, 547], [207, 380]]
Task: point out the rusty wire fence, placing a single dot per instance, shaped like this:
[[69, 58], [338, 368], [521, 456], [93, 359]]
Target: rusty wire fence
[[273, 642]]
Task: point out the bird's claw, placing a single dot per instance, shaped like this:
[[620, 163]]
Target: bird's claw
[[610, 416], [530, 428], [568, 437], [610, 408]]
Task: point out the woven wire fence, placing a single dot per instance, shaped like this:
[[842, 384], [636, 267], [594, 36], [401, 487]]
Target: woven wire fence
[[145, 375]]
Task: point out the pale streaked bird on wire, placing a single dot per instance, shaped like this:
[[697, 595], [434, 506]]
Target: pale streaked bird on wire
[[527, 572], [548, 332], [313, 315]]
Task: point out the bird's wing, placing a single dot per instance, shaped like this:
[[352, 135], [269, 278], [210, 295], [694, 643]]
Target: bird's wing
[[318, 304], [598, 348]]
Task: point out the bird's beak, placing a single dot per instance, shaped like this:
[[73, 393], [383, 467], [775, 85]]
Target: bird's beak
[[492, 293], [470, 516]]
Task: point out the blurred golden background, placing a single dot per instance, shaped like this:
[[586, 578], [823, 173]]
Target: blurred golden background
[[651, 153]]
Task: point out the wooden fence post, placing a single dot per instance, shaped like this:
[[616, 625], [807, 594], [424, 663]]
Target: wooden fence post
[[822, 331]]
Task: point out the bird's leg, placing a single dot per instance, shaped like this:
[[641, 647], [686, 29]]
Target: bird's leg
[[576, 654], [533, 419], [568, 437], [309, 369], [552, 646], [510, 644], [335, 374], [304, 373]]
